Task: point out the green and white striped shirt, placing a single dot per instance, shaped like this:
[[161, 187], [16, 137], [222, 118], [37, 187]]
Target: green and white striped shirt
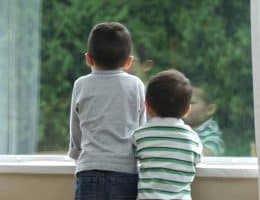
[[167, 151], [211, 137]]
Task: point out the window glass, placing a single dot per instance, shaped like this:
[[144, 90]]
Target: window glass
[[208, 40], [19, 75]]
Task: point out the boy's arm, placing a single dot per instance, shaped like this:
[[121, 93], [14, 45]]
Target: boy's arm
[[200, 149], [134, 144], [142, 111], [75, 132]]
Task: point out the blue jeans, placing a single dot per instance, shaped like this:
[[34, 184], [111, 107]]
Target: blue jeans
[[106, 185]]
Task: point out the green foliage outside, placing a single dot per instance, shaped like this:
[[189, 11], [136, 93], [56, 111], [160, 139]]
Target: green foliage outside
[[208, 40]]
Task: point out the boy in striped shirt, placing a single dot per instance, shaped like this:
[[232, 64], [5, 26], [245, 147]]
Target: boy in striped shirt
[[201, 119], [166, 148]]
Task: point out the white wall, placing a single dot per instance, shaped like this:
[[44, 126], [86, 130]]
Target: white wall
[[61, 187]]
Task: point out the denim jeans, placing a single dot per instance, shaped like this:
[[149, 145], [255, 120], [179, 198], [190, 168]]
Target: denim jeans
[[106, 185]]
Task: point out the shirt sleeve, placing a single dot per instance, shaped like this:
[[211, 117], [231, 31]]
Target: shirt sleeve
[[200, 149], [142, 110], [134, 144], [75, 132]]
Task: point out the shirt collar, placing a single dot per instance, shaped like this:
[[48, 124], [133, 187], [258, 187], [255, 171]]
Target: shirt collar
[[165, 121], [102, 72]]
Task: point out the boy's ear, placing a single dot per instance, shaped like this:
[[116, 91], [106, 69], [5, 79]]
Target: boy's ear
[[128, 63], [211, 109], [149, 110], [147, 107], [187, 112], [89, 59]]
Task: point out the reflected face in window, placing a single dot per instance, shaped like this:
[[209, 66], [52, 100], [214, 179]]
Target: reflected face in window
[[201, 110]]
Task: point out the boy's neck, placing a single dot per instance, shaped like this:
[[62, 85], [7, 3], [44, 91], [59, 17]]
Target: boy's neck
[[96, 68], [102, 71]]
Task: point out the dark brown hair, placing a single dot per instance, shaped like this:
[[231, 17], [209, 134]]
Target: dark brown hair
[[109, 44], [169, 94]]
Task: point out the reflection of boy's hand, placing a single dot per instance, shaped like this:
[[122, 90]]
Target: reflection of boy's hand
[[208, 152]]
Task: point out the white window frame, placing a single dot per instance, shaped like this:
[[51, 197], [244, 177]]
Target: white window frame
[[233, 167], [255, 43]]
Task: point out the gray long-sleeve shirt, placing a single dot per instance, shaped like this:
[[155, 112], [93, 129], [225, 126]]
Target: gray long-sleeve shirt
[[106, 107]]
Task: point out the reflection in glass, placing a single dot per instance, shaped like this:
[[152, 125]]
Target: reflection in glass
[[201, 119]]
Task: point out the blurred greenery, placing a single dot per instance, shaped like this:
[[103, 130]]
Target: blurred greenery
[[208, 40]]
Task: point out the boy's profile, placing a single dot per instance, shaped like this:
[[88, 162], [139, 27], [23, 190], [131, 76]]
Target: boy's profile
[[201, 120], [167, 149], [106, 106]]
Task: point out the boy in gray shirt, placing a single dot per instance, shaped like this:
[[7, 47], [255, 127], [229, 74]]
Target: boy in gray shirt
[[106, 106]]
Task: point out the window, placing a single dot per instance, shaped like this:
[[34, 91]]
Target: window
[[255, 25], [208, 40], [19, 76]]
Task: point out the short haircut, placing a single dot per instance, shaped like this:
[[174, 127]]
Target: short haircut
[[109, 44], [169, 94]]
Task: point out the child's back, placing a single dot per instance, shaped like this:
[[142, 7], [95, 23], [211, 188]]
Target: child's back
[[107, 105], [167, 149]]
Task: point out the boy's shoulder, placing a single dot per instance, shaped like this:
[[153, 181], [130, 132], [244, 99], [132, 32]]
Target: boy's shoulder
[[78, 82], [133, 77], [125, 75], [169, 125], [82, 78]]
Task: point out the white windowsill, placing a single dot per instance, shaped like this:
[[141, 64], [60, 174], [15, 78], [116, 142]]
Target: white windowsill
[[227, 167]]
